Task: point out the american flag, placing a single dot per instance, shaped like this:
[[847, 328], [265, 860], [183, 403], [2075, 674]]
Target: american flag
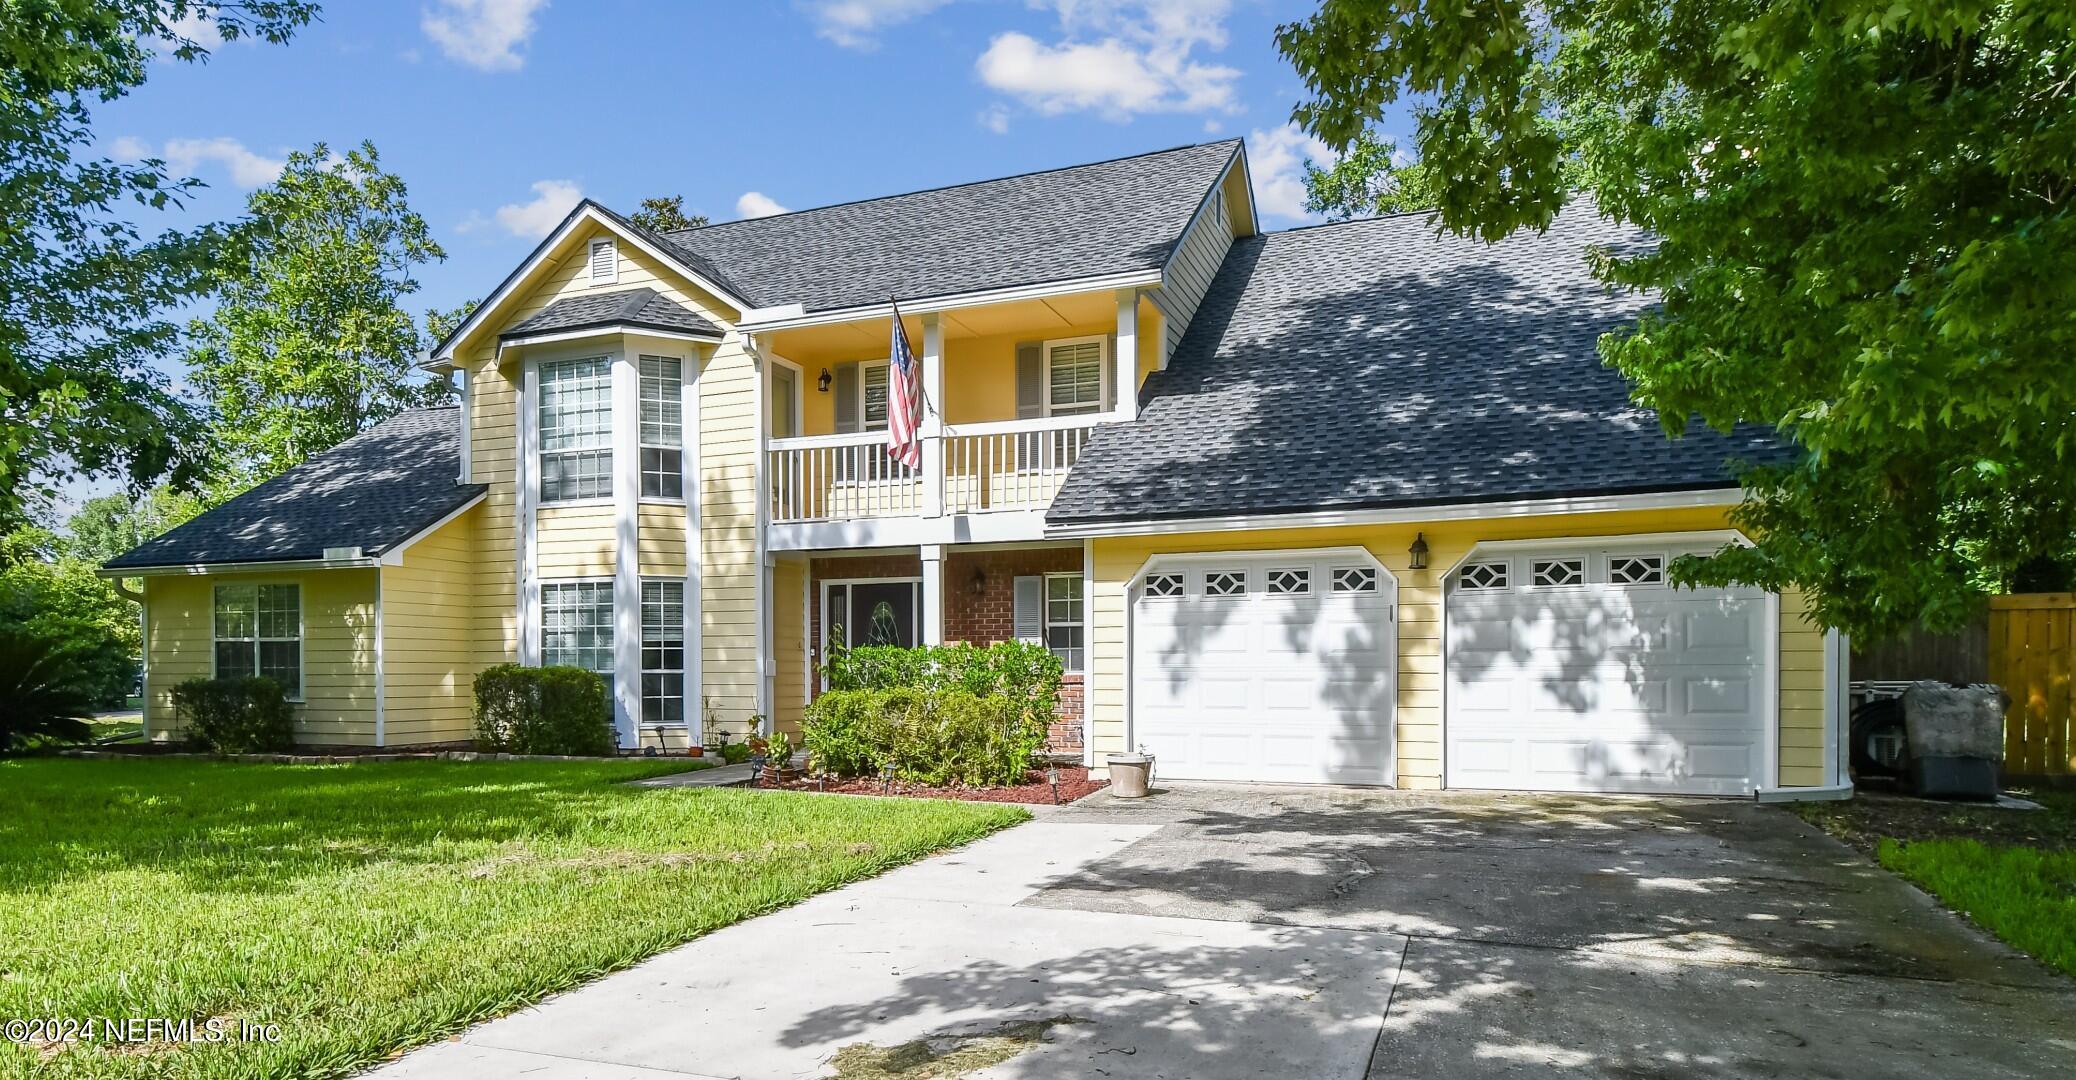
[[904, 399]]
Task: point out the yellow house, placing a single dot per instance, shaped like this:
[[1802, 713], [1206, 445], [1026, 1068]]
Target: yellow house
[[1344, 504]]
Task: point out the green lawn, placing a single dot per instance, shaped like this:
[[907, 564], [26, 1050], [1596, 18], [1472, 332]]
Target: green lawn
[[365, 908], [2012, 871]]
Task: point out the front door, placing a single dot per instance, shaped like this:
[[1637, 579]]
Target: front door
[[871, 613]]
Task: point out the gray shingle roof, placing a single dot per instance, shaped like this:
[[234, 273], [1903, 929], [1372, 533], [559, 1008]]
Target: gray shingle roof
[[1372, 364], [372, 491], [643, 308], [1084, 221]]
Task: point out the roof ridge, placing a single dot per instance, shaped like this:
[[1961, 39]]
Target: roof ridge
[[673, 234]]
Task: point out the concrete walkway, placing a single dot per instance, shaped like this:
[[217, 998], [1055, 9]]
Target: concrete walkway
[[1241, 932]]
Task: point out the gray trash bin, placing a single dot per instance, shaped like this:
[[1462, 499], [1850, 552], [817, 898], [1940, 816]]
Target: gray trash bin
[[1130, 775]]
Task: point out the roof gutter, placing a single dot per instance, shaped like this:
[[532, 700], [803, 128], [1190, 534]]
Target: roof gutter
[[794, 316], [1589, 504], [356, 561]]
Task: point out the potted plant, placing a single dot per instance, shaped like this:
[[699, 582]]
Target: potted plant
[[779, 759]]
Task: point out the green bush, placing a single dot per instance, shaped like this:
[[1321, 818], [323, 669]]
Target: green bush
[[1024, 672], [241, 715], [933, 736], [735, 753], [44, 695], [543, 710]]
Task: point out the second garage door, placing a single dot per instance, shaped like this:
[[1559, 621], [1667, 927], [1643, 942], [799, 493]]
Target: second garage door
[[1270, 668], [1574, 670]]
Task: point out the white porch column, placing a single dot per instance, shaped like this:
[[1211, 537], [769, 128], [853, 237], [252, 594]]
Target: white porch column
[[932, 429], [1126, 362], [627, 581], [933, 594]]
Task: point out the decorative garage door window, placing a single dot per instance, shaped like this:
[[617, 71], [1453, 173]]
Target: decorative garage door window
[[1164, 586], [1551, 573], [1636, 570], [1354, 579], [1225, 583], [1290, 581], [1484, 575]]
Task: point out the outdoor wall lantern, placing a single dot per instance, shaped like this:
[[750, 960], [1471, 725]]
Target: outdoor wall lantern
[[1418, 551], [822, 383]]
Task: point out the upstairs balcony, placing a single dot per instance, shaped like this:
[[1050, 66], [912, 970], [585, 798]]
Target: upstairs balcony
[[1013, 395]]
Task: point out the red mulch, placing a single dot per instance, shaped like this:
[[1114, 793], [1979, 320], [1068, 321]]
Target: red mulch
[[1074, 784]]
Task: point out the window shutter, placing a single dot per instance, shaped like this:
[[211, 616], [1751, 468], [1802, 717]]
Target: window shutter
[[1110, 387], [1027, 622], [1030, 380], [846, 398], [605, 262]]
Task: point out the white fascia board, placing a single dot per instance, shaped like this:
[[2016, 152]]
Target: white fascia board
[[613, 330], [785, 318], [994, 527], [1669, 500], [586, 213], [395, 555], [204, 569]]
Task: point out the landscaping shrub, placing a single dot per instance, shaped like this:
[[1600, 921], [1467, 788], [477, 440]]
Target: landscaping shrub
[[932, 736], [543, 710], [44, 696], [735, 753], [242, 715], [1024, 672]]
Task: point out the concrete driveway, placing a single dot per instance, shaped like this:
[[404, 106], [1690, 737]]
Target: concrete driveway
[[1237, 932]]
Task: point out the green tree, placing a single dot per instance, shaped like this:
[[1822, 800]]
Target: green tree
[[83, 288], [54, 597], [665, 213], [310, 343], [1370, 178], [108, 525], [1865, 239]]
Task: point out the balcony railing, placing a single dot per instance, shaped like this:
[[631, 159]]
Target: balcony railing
[[1011, 465]]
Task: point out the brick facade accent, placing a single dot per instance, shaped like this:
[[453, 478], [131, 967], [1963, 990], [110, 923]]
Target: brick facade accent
[[981, 615]]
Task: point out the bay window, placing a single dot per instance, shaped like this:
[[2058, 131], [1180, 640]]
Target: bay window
[[577, 627], [576, 429]]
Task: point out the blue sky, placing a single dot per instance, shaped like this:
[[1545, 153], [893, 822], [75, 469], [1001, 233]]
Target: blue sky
[[499, 114]]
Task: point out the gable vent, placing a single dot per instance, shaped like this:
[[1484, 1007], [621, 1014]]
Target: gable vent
[[605, 263]]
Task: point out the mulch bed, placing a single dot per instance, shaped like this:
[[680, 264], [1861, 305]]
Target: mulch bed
[[1074, 784], [1873, 813]]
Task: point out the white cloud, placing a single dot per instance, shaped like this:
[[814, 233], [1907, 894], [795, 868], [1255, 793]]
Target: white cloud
[[1117, 58], [185, 157], [195, 27], [552, 200], [995, 118], [1276, 159], [855, 24], [757, 204], [483, 34]]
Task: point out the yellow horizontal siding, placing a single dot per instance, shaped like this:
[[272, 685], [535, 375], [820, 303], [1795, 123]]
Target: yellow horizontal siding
[[430, 620], [338, 648]]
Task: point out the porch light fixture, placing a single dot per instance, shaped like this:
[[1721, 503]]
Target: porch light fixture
[[980, 582], [822, 382], [1418, 551]]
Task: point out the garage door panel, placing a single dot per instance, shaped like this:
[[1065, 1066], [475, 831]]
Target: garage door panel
[[1268, 686], [1601, 687]]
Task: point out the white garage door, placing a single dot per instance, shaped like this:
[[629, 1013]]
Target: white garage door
[[1265, 668], [1575, 670]]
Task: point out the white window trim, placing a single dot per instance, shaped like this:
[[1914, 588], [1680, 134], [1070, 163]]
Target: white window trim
[[540, 590], [540, 454], [684, 436], [1103, 365], [684, 670], [1045, 622], [302, 638], [591, 261], [863, 367]]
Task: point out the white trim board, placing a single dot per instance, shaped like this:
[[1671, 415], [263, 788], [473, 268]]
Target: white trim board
[[1669, 500], [794, 316]]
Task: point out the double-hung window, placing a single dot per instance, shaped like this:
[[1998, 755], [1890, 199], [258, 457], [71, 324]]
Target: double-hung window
[[1073, 376], [1063, 619], [259, 631], [577, 627], [663, 427], [576, 422], [663, 652], [872, 396]]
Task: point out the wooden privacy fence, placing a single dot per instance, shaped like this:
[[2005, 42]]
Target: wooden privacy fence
[[2032, 649]]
